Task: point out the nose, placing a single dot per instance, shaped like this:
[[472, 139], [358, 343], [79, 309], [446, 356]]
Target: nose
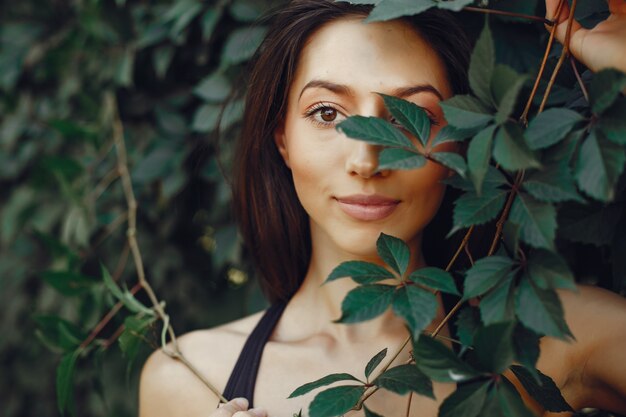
[[363, 159]]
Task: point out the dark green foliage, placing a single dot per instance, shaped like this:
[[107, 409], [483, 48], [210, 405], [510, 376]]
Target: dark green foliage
[[335, 401], [545, 392], [404, 378], [327, 380], [374, 362]]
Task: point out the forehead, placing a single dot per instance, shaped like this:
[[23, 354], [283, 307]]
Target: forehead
[[378, 56]]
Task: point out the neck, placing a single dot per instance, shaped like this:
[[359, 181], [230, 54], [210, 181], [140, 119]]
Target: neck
[[325, 300]]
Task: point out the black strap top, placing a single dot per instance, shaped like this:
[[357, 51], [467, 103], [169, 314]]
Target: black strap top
[[243, 378]]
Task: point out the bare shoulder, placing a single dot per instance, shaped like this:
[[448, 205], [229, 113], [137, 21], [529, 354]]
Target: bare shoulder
[[169, 388]]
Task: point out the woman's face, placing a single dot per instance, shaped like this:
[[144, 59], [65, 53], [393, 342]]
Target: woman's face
[[340, 70]]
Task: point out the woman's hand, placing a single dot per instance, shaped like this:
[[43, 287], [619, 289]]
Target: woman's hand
[[238, 407], [602, 47]]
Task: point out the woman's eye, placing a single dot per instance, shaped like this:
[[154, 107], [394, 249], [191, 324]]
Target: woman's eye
[[324, 115]]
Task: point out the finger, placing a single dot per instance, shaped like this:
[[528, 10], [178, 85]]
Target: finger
[[230, 408], [577, 32], [253, 412]]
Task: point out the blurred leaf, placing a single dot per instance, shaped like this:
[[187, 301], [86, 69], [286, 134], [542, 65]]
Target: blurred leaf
[[327, 380], [526, 344], [374, 362], [162, 58], [361, 272], [56, 332], [214, 88], [205, 119], [245, 10], [394, 252], [391, 9], [510, 402], [65, 381], [405, 378], [467, 322], [613, 122], [365, 302], [68, 283], [335, 401], [605, 89], [241, 44], [134, 329], [156, 164]]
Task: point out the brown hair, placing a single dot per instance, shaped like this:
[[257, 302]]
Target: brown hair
[[272, 221]]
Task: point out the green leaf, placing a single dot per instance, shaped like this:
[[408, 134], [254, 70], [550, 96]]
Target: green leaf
[[404, 378], [613, 122], [391, 9], [498, 304], [511, 151], [537, 221], [110, 284], [435, 278], [546, 393], [550, 127], [505, 87], [327, 380], [241, 44], [398, 158], [599, 166], [526, 344], [359, 271], [65, 380], [394, 252], [128, 299], [413, 117], [479, 155], [454, 5], [365, 303], [416, 306], [68, 283], [493, 346], [465, 112], [471, 209], [449, 133], [466, 401], [440, 363], [511, 404], [554, 183], [493, 179], [374, 130], [481, 66], [549, 271], [485, 274], [135, 328], [452, 160], [335, 401], [57, 332], [541, 311], [370, 413], [467, 322], [205, 118], [374, 362], [214, 88], [605, 88]]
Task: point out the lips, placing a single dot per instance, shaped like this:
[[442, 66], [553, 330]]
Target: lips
[[367, 207]]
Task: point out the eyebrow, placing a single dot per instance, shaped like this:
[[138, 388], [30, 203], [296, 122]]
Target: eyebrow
[[342, 89]]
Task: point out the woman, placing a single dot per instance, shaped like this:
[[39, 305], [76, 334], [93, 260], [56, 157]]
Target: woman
[[328, 66]]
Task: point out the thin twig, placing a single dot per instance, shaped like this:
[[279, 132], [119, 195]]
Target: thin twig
[[505, 214], [524, 116], [408, 406], [122, 163], [579, 78], [564, 54], [110, 229], [104, 184], [510, 14]]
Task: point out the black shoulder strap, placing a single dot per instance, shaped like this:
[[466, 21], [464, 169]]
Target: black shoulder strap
[[243, 378]]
